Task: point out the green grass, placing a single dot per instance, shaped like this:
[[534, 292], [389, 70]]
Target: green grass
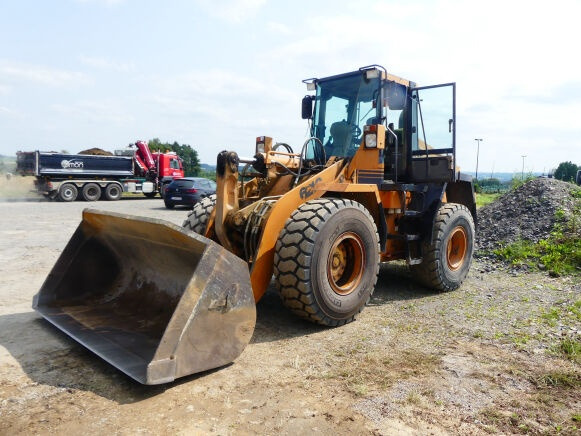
[[570, 348], [558, 379], [560, 253], [482, 199]]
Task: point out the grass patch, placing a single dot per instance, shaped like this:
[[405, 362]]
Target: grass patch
[[552, 408], [373, 371], [570, 348], [560, 253], [482, 199], [558, 379]]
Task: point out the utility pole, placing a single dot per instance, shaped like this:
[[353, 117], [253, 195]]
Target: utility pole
[[477, 153], [522, 174]]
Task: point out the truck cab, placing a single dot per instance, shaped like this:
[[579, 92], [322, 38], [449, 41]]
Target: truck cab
[[346, 103]]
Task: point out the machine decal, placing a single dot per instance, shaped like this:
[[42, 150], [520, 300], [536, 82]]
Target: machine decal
[[309, 190]]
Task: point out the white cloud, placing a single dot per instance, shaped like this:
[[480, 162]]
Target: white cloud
[[234, 11], [106, 64], [5, 110], [102, 111], [221, 84], [278, 27], [18, 72]]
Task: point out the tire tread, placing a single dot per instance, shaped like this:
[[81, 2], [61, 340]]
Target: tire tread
[[292, 258], [430, 272], [197, 219]]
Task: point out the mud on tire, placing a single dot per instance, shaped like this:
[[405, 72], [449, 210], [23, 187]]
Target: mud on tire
[[198, 217], [326, 260], [447, 255]]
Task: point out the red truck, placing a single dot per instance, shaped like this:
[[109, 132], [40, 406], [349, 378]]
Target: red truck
[[67, 176]]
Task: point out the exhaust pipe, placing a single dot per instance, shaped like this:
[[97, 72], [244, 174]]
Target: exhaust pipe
[[152, 299]]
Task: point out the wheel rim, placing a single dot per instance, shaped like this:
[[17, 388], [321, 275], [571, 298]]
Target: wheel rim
[[345, 263], [457, 247], [67, 192]]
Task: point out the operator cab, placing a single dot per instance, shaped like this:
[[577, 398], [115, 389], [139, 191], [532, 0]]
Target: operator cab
[[420, 126]]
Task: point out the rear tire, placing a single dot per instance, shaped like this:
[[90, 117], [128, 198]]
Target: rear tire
[[169, 205], [326, 260], [198, 218], [68, 192], [448, 254], [113, 192], [91, 192]]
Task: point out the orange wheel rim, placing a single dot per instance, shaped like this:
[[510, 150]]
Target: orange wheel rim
[[345, 263], [457, 247]]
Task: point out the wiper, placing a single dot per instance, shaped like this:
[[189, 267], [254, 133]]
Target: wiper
[[365, 116]]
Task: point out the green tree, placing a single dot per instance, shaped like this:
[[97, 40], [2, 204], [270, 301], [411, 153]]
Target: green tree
[[490, 185], [566, 171], [188, 155]]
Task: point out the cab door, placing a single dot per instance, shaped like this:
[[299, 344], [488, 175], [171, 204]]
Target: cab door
[[433, 139]]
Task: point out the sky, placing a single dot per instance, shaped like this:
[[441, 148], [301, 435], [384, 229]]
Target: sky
[[216, 74]]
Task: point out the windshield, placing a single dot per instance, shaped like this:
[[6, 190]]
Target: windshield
[[344, 105]]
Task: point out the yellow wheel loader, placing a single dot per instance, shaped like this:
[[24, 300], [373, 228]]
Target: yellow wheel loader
[[376, 181]]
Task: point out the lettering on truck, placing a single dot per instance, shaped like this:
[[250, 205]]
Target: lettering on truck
[[73, 163]]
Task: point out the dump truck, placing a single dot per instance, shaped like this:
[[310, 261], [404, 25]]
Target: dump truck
[[375, 181], [66, 177]]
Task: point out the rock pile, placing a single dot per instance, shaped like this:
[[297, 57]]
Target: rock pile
[[529, 212]]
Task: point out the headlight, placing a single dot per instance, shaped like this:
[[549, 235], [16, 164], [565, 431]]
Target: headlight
[[371, 140]]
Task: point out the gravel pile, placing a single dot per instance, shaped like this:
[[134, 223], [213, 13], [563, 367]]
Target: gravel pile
[[525, 213]]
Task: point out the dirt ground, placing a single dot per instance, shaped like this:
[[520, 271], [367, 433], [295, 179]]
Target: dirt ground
[[491, 357]]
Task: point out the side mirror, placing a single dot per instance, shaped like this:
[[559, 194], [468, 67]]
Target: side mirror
[[307, 107]]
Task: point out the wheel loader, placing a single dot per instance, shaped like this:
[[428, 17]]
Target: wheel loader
[[375, 181]]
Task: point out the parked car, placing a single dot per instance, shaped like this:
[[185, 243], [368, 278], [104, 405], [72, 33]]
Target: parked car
[[188, 191]]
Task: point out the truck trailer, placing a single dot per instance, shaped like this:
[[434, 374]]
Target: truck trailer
[[67, 176]]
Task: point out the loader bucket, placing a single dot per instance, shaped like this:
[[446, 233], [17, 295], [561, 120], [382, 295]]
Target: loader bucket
[[152, 299]]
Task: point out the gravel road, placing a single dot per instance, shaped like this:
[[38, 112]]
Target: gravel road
[[482, 359]]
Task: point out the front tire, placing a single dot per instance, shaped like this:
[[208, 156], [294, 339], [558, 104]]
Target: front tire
[[448, 254], [198, 218], [326, 260]]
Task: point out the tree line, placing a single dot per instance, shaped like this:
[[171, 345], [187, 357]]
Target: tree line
[[188, 155], [567, 171]]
